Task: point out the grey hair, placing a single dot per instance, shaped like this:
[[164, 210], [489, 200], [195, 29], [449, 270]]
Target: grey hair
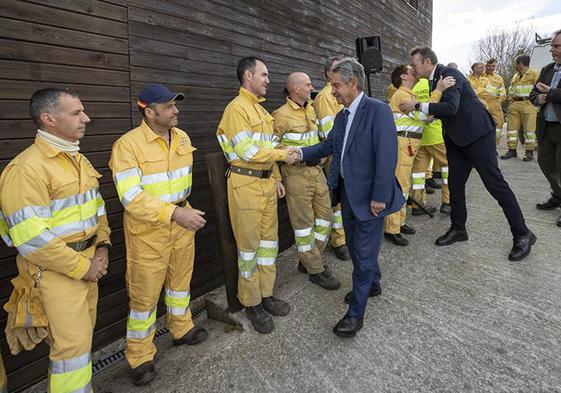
[[556, 33], [350, 68], [46, 101], [328, 65]]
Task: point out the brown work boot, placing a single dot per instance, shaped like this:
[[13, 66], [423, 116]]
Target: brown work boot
[[302, 269], [325, 280], [260, 320], [275, 307], [341, 252], [192, 337], [144, 374]]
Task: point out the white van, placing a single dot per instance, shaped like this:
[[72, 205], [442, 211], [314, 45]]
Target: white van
[[541, 56]]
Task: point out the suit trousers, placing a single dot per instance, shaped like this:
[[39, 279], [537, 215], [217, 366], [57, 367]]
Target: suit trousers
[[549, 156], [363, 241], [420, 165], [481, 156]]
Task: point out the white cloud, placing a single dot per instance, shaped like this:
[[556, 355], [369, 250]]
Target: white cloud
[[458, 24]]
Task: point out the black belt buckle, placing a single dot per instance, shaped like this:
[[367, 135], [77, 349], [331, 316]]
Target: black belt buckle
[[265, 174]]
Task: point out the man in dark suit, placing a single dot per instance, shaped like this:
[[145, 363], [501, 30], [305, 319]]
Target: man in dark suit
[[363, 142], [469, 135], [547, 94]]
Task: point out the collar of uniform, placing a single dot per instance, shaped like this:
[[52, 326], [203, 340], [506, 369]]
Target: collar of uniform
[[150, 134], [407, 90], [294, 105], [46, 148], [250, 96]]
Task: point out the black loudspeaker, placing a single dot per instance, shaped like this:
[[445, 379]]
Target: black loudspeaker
[[369, 53]]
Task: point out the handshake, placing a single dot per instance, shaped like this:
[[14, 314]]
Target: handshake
[[294, 156]]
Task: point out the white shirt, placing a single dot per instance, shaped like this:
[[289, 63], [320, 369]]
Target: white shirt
[[425, 105], [352, 111]]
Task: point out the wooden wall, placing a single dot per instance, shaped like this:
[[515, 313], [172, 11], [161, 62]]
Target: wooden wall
[[109, 50]]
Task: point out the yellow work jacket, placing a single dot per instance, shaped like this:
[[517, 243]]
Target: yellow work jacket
[[390, 90], [48, 199], [150, 175], [521, 85], [480, 85], [432, 131], [246, 136], [296, 125], [326, 107], [496, 87], [412, 121]]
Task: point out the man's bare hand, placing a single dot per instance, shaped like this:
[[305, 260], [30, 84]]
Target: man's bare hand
[[542, 99], [542, 87], [97, 270], [444, 83], [293, 156], [191, 219], [281, 192], [408, 106], [102, 254], [376, 207]]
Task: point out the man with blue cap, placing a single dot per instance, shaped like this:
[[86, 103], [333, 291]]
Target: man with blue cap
[[152, 170]]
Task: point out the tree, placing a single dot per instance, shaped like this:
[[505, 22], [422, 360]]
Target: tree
[[503, 44]]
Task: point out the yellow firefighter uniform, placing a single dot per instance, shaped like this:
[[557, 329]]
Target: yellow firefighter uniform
[[309, 205], [522, 113], [326, 107], [245, 134], [390, 90], [432, 149], [51, 207], [409, 132], [152, 178], [3, 378], [496, 87], [481, 86]]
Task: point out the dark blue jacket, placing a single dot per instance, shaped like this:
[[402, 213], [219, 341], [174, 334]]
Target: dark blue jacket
[[464, 118], [369, 160]]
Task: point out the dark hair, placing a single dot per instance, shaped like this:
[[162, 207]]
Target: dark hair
[[46, 101], [396, 75], [492, 60], [246, 63], [426, 53], [328, 65], [524, 59], [476, 63]]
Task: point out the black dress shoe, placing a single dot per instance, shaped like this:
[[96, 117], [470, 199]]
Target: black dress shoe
[[144, 374], [418, 212], [407, 230], [396, 239], [521, 247], [192, 337], [550, 204], [374, 291], [452, 236], [348, 326]]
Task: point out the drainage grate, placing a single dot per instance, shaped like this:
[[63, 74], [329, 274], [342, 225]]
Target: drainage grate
[[102, 364]]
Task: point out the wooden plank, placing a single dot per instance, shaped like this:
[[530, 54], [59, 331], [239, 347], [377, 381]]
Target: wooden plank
[[12, 109], [89, 7], [22, 90], [27, 31], [48, 15], [31, 51], [12, 129]]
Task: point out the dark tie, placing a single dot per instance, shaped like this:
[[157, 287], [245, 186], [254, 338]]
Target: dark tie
[[339, 138]]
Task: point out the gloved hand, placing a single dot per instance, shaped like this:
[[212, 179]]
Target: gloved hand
[[25, 338]]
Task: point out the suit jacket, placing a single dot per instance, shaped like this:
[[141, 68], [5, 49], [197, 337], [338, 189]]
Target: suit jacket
[[464, 118], [368, 162], [554, 96]]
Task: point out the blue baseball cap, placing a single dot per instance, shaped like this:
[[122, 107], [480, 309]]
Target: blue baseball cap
[[158, 94]]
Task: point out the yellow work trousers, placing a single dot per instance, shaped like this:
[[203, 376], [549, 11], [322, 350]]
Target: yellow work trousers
[[425, 155], [252, 204], [406, 150], [157, 255], [3, 378], [337, 236], [496, 111], [70, 306], [309, 209], [522, 118]]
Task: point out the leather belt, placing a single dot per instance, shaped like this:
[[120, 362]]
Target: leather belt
[[181, 203], [520, 99], [260, 173], [84, 245], [410, 134]]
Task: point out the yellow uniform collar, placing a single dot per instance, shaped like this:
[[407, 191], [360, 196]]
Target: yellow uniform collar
[[250, 96]]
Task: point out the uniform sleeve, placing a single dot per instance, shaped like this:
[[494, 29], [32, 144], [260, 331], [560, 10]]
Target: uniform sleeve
[[325, 116], [237, 129], [26, 210], [502, 92], [103, 232], [127, 177], [280, 126], [435, 96]]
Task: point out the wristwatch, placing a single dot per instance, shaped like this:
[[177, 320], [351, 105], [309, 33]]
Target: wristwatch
[[103, 244], [418, 106]]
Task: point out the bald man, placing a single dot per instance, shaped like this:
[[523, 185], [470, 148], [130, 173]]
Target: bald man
[[307, 195]]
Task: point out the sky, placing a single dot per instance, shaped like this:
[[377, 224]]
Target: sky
[[458, 24]]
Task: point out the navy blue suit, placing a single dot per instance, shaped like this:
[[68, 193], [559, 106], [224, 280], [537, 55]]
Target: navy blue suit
[[369, 164], [469, 136]]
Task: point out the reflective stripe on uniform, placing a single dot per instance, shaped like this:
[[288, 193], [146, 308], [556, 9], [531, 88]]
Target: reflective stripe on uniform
[[300, 138], [141, 324], [245, 144], [177, 302], [128, 185], [337, 220], [418, 181], [322, 229], [246, 263], [325, 125], [227, 148], [512, 136], [71, 375], [444, 173], [522, 91], [267, 252], [407, 123], [304, 239]]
